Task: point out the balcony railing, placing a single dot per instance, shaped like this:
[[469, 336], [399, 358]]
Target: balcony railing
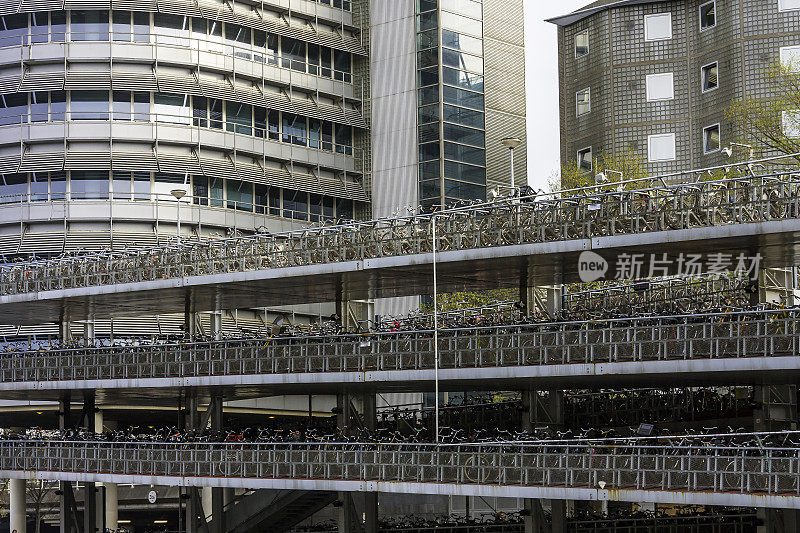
[[562, 216], [772, 333], [613, 466]]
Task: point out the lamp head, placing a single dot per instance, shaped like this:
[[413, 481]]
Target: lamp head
[[178, 193], [728, 151], [511, 142], [601, 177]]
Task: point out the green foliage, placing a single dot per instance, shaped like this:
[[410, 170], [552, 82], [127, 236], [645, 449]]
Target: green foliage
[[455, 301], [627, 161], [764, 122]]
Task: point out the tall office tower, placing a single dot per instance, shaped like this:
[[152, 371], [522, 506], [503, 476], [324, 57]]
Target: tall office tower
[[448, 85], [656, 77]]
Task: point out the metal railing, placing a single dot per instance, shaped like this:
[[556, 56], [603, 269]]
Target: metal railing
[[579, 214], [697, 468], [772, 333]]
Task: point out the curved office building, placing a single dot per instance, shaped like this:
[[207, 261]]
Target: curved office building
[[254, 109]]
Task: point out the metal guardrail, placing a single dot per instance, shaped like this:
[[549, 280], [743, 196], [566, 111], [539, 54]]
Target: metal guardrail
[[771, 333], [698, 468], [557, 217]]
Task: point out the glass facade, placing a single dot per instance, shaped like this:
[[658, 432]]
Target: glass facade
[[156, 187], [245, 119], [450, 99], [176, 30]]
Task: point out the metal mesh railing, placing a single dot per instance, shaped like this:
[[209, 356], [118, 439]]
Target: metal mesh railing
[[769, 333], [558, 217], [697, 468]]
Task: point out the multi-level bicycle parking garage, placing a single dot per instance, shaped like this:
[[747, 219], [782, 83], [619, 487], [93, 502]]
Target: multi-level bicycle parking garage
[[519, 242]]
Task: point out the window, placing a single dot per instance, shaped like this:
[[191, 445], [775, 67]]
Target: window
[[660, 87], [791, 124], [708, 15], [711, 139], [790, 58], [661, 148], [583, 102], [788, 5], [710, 77], [89, 184], [582, 44], [585, 159], [89, 25], [89, 105], [658, 27]]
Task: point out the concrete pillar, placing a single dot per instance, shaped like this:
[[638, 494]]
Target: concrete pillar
[[355, 315], [192, 510], [217, 493], [535, 521], [193, 502], [189, 317], [559, 514], [216, 325], [776, 408], [17, 504], [346, 519], [66, 503], [111, 506], [777, 520], [370, 512], [89, 489], [544, 300], [88, 332]]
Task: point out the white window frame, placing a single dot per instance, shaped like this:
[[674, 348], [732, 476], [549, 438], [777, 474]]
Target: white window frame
[[792, 132], [705, 147], [654, 77], [657, 15], [795, 52], [651, 138], [578, 158], [574, 44], [702, 77], [781, 6], [588, 91], [700, 15]]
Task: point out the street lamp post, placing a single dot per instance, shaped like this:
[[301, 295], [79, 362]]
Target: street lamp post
[[178, 194], [435, 334], [511, 143]]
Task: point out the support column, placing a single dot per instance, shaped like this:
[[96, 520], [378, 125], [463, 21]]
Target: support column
[[216, 325], [544, 411], [777, 520], [17, 502], [89, 489], [541, 300], [559, 514], [111, 506], [355, 315], [217, 493], [357, 410], [67, 520], [193, 502], [189, 317], [535, 521]]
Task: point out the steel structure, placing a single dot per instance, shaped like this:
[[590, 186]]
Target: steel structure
[[552, 219], [699, 474], [486, 246], [766, 342]]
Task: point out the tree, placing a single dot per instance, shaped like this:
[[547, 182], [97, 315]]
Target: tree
[[771, 124], [37, 493], [627, 161]]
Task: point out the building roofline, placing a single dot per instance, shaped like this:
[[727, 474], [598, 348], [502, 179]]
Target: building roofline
[[576, 16]]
